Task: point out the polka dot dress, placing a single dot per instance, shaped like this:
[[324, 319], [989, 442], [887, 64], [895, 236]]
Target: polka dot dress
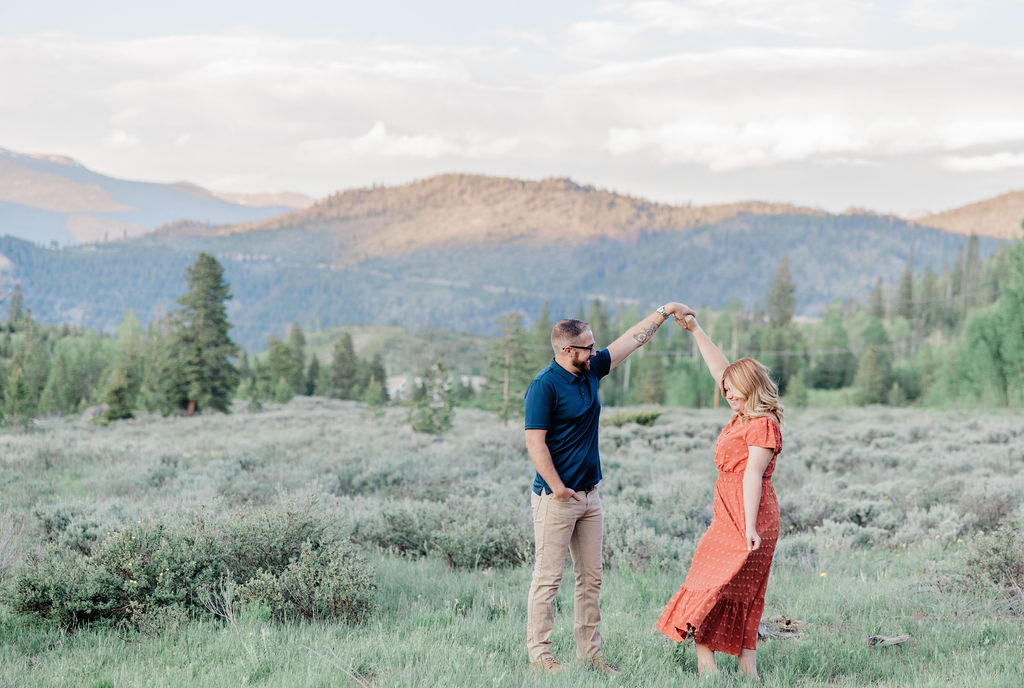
[[723, 595]]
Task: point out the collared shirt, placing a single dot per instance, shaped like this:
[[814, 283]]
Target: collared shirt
[[567, 406]]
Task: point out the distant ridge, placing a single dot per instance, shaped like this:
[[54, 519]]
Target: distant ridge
[[998, 217], [54, 198], [472, 209]]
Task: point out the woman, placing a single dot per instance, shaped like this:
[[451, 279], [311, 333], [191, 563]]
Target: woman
[[723, 595]]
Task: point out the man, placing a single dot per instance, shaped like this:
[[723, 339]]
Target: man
[[562, 415]]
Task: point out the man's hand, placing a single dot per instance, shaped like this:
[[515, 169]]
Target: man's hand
[[564, 494], [680, 310]]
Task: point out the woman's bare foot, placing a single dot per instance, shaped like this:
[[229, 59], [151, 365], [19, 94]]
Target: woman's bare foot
[[748, 664], [705, 660]]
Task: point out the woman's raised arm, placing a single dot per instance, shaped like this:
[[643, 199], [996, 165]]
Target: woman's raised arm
[[713, 356]]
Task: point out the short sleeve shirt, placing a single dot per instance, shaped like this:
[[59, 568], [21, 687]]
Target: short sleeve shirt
[[568, 407]]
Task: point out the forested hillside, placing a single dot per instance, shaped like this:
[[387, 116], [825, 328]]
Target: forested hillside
[[300, 275]]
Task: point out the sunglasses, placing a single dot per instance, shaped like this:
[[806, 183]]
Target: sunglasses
[[589, 347]]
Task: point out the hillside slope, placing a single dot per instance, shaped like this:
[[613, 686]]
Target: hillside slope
[[455, 209], [999, 217]]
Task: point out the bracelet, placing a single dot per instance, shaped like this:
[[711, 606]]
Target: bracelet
[[663, 313]]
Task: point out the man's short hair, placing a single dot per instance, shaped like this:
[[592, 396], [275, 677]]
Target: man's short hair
[[566, 332]]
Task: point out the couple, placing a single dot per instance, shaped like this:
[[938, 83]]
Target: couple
[[723, 595]]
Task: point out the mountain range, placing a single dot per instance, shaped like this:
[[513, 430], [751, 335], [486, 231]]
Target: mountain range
[[455, 251], [53, 198]]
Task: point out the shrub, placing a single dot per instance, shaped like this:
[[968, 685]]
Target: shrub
[[67, 588], [320, 584], [639, 417], [268, 539], [406, 531], [152, 575], [481, 534], [998, 559]]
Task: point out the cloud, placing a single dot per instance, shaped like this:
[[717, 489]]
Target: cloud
[[120, 139], [936, 15], [317, 115], [378, 142], [984, 163]]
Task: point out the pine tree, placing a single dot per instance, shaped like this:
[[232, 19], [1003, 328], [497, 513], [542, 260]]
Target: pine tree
[[283, 368], [509, 370], [905, 296], [313, 375], [434, 411], [343, 373], [876, 302], [836, 365], [203, 373], [781, 303], [19, 407], [297, 345]]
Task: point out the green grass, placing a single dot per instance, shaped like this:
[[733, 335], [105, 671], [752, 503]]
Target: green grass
[[887, 503]]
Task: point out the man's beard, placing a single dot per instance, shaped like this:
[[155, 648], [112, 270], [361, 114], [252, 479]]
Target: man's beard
[[581, 367]]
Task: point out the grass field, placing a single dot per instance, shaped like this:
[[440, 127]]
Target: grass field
[[886, 516]]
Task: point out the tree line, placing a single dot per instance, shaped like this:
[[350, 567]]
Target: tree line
[[183, 363], [936, 338], [952, 337]]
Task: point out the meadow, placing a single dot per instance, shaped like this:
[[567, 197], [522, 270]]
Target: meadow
[[896, 522]]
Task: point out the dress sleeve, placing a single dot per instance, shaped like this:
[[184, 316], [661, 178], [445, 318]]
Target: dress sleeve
[[763, 432]]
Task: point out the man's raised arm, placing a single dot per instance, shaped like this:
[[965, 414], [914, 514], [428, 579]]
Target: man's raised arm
[[641, 333]]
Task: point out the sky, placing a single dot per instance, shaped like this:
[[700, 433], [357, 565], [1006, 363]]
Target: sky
[[903, 106]]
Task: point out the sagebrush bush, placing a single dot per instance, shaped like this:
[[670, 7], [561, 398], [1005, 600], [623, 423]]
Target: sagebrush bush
[[997, 558], [639, 417], [321, 583], [484, 533], [409, 530], [149, 572]]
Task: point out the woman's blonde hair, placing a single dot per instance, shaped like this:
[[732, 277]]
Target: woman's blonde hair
[[750, 379]]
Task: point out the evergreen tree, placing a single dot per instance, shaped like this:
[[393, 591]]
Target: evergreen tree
[[874, 370], [203, 373], [876, 302], [781, 303], [375, 391], [284, 369], [509, 370], [836, 365], [905, 295], [434, 411], [342, 375], [312, 377], [297, 345], [19, 407], [15, 312]]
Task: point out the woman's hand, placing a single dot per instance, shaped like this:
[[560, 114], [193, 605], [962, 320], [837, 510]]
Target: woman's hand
[[753, 540], [688, 322]]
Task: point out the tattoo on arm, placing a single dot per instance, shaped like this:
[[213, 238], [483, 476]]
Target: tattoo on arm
[[643, 336]]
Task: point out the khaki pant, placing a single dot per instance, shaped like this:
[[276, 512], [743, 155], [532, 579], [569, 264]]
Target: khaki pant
[[559, 527]]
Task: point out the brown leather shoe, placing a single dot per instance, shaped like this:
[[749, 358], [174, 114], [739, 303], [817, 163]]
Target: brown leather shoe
[[598, 664], [547, 664]]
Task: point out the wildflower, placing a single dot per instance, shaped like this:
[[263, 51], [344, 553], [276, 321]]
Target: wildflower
[[981, 532], [904, 545], [885, 496], [815, 527], [937, 537], [959, 539], [824, 575], [791, 527]]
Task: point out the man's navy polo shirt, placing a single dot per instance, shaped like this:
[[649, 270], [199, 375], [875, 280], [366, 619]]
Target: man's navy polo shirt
[[567, 406]]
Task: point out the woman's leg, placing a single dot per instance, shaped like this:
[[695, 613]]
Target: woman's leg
[[705, 659], [748, 663]]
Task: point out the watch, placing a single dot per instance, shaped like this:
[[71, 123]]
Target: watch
[[662, 312]]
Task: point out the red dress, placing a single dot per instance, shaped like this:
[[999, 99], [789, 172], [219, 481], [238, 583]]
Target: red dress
[[723, 595]]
